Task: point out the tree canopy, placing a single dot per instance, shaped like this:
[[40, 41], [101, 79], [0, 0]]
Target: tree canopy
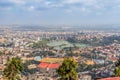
[[13, 69], [67, 71], [117, 69]]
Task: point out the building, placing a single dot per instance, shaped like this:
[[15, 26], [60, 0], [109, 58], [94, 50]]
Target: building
[[110, 78], [48, 68]]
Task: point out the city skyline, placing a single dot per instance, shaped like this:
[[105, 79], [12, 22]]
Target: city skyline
[[65, 12]]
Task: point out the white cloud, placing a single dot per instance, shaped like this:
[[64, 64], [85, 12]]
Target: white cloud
[[5, 8], [18, 1], [71, 1], [118, 6], [31, 8], [85, 10], [85, 2], [69, 5]]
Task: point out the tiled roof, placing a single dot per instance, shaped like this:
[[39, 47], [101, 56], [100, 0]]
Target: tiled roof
[[49, 65], [55, 65], [43, 65], [111, 78]]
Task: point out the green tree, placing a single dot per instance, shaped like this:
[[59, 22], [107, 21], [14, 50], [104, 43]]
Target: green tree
[[67, 71], [117, 72], [117, 69], [1, 53], [117, 64], [13, 69]]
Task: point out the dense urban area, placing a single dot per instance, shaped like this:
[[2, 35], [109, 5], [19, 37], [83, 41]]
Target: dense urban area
[[43, 54]]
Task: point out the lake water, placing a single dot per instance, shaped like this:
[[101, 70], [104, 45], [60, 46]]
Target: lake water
[[62, 44]]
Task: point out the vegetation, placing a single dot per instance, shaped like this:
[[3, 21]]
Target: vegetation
[[28, 71], [82, 67], [92, 56], [40, 44], [97, 42], [117, 72], [13, 69], [67, 71], [72, 40], [117, 69], [117, 64], [1, 53]]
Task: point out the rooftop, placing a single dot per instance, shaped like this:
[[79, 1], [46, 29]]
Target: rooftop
[[111, 78], [52, 60], [49, 65]]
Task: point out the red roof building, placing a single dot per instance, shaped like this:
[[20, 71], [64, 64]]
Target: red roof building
[[55, 65], [49, 65], [43, 65], [111, 78], [114, 59]]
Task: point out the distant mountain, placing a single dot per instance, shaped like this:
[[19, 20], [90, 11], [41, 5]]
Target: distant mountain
[[65, 27]]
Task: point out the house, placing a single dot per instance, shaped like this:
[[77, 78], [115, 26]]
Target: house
[[85, 77], [110, 78], [52, 60], [48, 68], [90, 62]]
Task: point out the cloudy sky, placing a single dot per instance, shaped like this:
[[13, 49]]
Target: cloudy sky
[[69, 12]]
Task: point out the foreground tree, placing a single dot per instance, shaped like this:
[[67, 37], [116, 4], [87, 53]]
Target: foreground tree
[[67, 71], [117, 69], [13, 69]]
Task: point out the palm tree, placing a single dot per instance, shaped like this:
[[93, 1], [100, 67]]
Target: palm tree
[[13, 69]]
